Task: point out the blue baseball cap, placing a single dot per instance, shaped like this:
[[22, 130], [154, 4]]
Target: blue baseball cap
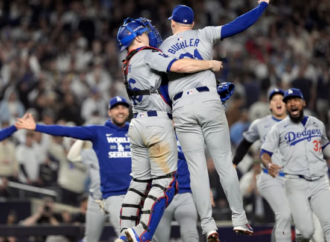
[[183, 14], [292, 92], [274, 92], [116, 101]]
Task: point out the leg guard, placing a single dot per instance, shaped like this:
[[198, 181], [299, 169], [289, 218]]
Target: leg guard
[[160, 196], [133, 202]]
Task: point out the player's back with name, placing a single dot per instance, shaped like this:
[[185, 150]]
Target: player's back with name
[[194, 44], [141, 76], [300, 145]]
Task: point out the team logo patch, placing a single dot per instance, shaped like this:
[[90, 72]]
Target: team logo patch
[[290, 91], [190, 92], [141, 115], [119, 99]]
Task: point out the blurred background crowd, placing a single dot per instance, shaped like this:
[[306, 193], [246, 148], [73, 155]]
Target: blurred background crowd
[[59, 60]]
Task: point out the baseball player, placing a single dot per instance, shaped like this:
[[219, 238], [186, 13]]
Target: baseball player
[[271, 189], [199, 116], [301, 140], [81, 151], [182, 208], [112, 147], [152, 138]]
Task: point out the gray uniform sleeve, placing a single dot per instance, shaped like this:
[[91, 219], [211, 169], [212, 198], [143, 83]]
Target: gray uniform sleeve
[[159, 61], [212, 34], [252, 133], [272, 140], [88, 157]]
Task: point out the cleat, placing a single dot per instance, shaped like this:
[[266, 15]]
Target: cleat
[[132, 236], [122, 238], [213, 236], [244, 229]]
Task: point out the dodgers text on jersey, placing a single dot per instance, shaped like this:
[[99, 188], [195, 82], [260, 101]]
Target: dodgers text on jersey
[[293, 138]]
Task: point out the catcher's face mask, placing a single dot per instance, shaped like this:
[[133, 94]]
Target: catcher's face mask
[[135, 27], [155, 40]]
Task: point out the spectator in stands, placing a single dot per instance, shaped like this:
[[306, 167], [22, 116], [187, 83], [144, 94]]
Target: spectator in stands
[[10, 107], [322, 93], [70, 110], [306, 86], [238, 128], [29, 158], [259, 109], [222, 210], [8, 161], [93, 103], [44, 215], [4, 189], [71, 176], [99, 78], [254, 203], [80, 217]]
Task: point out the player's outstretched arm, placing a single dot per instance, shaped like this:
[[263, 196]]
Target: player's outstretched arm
[[244, 21], [6, 132], [266, 160], [241, 151], [83, 133], [192, 65]]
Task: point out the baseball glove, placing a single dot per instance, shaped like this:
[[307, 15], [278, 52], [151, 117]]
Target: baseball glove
[[225, 90]]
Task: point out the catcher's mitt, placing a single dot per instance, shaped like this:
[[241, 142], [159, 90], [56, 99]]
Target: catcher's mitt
[[225, 90]]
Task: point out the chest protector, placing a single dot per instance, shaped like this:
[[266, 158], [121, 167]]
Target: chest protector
[[162, 90]]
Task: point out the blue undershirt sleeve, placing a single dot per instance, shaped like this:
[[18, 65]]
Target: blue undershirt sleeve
[[243, 22], [265, 151]]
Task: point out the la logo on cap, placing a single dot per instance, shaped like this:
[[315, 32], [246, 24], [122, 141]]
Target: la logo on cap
[[119, 99], [290, 91], [276, 90]]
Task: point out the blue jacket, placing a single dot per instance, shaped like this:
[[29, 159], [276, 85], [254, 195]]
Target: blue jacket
[[112, 147]]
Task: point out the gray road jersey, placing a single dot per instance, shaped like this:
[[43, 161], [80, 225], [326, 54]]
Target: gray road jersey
[[300, 146], [195, 44], [89, 158], [145, 72], [258, 131]]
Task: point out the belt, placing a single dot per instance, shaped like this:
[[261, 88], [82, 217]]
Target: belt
[[280, 173], [151, 114], [199, 89], [301, 177]]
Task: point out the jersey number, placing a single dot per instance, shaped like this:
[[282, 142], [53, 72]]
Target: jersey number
[[317, 146], [195, 56], [135, 99]]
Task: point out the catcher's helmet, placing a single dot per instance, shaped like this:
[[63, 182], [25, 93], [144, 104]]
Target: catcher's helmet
[[135, 27]]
